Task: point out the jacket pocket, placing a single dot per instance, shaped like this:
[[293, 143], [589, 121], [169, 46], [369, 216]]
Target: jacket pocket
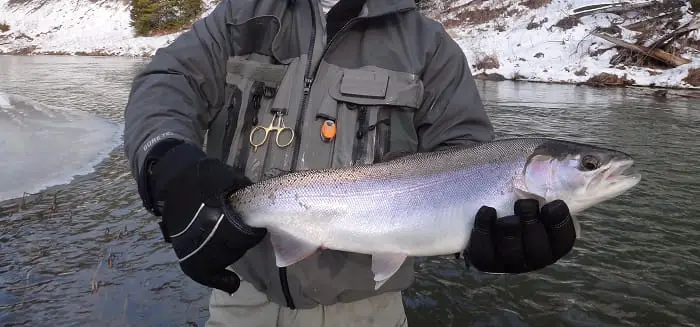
[[375, 112]]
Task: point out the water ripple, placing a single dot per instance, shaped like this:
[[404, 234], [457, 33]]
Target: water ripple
[[88, 254]]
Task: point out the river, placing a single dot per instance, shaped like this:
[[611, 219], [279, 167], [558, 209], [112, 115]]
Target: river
[[86, 253]]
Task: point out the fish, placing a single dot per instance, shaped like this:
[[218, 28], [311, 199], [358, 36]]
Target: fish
[[425, 203]]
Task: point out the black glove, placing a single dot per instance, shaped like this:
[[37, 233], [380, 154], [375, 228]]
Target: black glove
[[526, 241], [205, 232]]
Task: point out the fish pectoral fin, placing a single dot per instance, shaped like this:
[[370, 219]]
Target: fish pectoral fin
[[522, 194], [289, 249], [385, 265]]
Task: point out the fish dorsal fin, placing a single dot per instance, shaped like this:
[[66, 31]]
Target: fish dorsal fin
[[289, 249], [385, 265]]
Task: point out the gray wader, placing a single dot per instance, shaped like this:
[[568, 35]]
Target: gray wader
[[251, 308]]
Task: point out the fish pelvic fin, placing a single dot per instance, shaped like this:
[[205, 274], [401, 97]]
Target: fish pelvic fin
[[289, 249], [385, 265]]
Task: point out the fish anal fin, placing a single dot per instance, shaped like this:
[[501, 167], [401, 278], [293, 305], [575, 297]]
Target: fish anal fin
[[289, 249], [379, 283], [385, 265]]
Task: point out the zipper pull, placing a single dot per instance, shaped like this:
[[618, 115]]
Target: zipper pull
[[307, 85]]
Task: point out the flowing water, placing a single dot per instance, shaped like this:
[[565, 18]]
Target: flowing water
[[85, 253]]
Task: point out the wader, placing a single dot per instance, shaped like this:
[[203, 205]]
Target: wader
[[251, 308]]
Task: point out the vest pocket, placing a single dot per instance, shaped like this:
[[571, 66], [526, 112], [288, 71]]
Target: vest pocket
[[253, 86], [375, 111]]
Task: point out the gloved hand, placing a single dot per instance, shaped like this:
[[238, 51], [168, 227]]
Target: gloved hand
[[206, 233], [529, 240]]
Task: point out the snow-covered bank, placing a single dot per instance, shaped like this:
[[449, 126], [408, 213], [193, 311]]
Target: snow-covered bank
[[512, 39], [528, 44], [75, 27]]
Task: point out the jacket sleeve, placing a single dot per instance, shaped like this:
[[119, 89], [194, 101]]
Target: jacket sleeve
[[171, 99], [451, 113]]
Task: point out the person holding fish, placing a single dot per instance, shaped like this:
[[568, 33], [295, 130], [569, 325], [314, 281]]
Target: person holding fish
[[262, 88]]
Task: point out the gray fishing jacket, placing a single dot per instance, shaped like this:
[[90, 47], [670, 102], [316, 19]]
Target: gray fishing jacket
[[391, 80]]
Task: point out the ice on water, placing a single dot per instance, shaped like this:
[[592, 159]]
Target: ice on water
[[42, 145]]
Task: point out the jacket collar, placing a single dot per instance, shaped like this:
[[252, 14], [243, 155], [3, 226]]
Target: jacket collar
[[379, 7], [383, 7]]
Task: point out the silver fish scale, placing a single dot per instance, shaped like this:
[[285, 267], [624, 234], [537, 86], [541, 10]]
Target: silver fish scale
[[421, 204]]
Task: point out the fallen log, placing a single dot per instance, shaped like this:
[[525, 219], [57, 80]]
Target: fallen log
[[640, 26], [683, 30], [611, 8], [655, 53]]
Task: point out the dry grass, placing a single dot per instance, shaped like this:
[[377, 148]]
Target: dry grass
[[581, 72], [4, 27], [487, 62], [475, 16], [605, 79], [534, 4], [688, 42], [23, 51], [693, 77], [94, 53], [627, 57], [568, 22], [533, 25], [600, 51], [612, 30], [56, 53]]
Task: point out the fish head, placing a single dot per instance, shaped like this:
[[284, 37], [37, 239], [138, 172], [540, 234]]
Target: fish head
[[581, 175]]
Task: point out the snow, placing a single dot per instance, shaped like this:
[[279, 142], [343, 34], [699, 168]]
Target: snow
[[544, 54], [547, 54], [73, 26]]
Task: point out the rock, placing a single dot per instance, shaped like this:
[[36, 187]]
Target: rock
[[693, 77], [605, 79], [490, 77]]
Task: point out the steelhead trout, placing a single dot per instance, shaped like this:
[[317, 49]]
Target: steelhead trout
[[425, 204]]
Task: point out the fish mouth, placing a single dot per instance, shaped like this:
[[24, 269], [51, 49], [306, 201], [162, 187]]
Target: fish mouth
[[625, 169], [619, 177]]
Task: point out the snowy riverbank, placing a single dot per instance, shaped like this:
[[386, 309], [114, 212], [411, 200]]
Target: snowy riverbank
[[509, 39], [75, 27], [541, 45]]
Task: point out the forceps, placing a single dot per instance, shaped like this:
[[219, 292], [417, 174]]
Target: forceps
[[276, 125]]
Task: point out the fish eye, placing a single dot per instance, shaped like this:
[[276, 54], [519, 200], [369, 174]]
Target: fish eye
[[589, 163]]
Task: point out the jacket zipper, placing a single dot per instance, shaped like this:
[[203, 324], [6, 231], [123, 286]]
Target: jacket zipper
[[308, 80], [232, 112], [309, 77], [362, 130]]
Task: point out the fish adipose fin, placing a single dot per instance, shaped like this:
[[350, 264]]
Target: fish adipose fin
[[288, 249], [385, 265]]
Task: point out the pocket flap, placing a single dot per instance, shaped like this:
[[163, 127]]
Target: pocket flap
[[377, 86], [238, 68], [371, 84]]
